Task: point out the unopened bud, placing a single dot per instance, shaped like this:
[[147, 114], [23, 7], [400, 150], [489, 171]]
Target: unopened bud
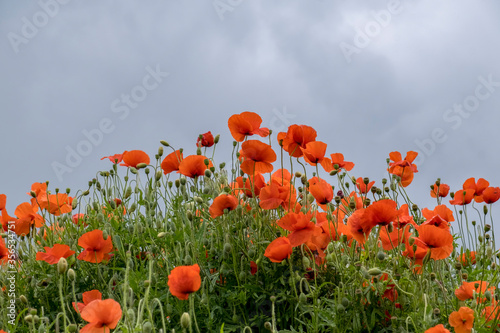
[[162, 234], [374, 271], [185, 320], [72, 328], [62, 266], [165, 143], [71, 274]]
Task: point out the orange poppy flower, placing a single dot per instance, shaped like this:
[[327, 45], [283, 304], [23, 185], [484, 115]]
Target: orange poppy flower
[[467, 289], [463, 197], [115, 159], [40, 189], [362, 187], [491, 194], [134, 157], [101, 315], [441, 190], [276, 194], [462, 320], [297, 136], [246, 123], [403, 168], [391, 240], [257, 157], [359, 227], [353, 196], [438, 241], [221, 203], [467, 258], [279, 249], [52, 255], [171, 162], [249, 185], [491, 312], [79, 219], [4, 252], [300, 226], [27, 217], [3, 201], [478, 187], [437, 329], [417, 254], [184, 280], [96, 248], [314, 153], [403, 217], [5, 218], [194, 166], [442, 211], [337, 159], [381, 212], [321, 191], [87, 297], [56, 204], [205, 140]]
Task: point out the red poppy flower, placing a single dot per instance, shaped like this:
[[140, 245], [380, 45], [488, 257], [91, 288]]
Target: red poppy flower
[[56, 204], [314, 153], [246, 123], [337, 159], [52, 255], [276, 194], [467, 258], [101, 315], [79, 219], [257, 157], [362, 187], [478, 187], [359, 227], [467, 289], [3, 201], [441, 190], [300, 226], [437, 329], [438, 241], [403, 168], [205, 140], [491, 194], [27, 217], [221, 203], [87, 297], [321, 191], [391, 240], [462, 320], [171, 162], [184, 280], [248, 185], [4, 252], [96, 248], [134, 157], [381, 212], [253, 267], [194, 166], [442, 211], [463, 197], [279, 249], [297, 136], [403, 217], [116, 158]]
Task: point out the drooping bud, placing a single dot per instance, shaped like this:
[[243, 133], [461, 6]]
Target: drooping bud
[[165, 143], [374, 271]]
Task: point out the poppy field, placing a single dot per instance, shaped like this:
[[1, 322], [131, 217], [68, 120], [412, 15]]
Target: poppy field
[[282, 238]]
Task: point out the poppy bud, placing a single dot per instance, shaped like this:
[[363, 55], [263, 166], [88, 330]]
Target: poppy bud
[[133, 170], [414, 207], [352, 204], [302, 298], [267, 325], [432, 187], [28, 318], [62, 266], [493, 265], [71, 274], [74, 204], [337, 199], [165, 143], [379, 191], [72, 328], [183, 180], [303, 179], [158, 175], [411, 241], [436, 312], [433, 276], [132, 208], [458, 266], [485, 210], [273, 298], [188, 261], [427, 257], [374, 271], [85, 193], [489, 251], [393, 187], [465, 276], [390, 227], [227, 248], [480, 238], [381, 256], [306, 262], [198, 151], [112, 204], [333, 172], [23, 299], [208, 173]]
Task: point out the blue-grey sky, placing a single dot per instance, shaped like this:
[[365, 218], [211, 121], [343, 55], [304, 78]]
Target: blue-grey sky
[[370, 76]]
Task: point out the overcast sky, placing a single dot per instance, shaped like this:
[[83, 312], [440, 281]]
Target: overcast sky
[[370, 76]]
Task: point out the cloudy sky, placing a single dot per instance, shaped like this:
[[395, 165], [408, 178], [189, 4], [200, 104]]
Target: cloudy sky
[[370, 76]]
